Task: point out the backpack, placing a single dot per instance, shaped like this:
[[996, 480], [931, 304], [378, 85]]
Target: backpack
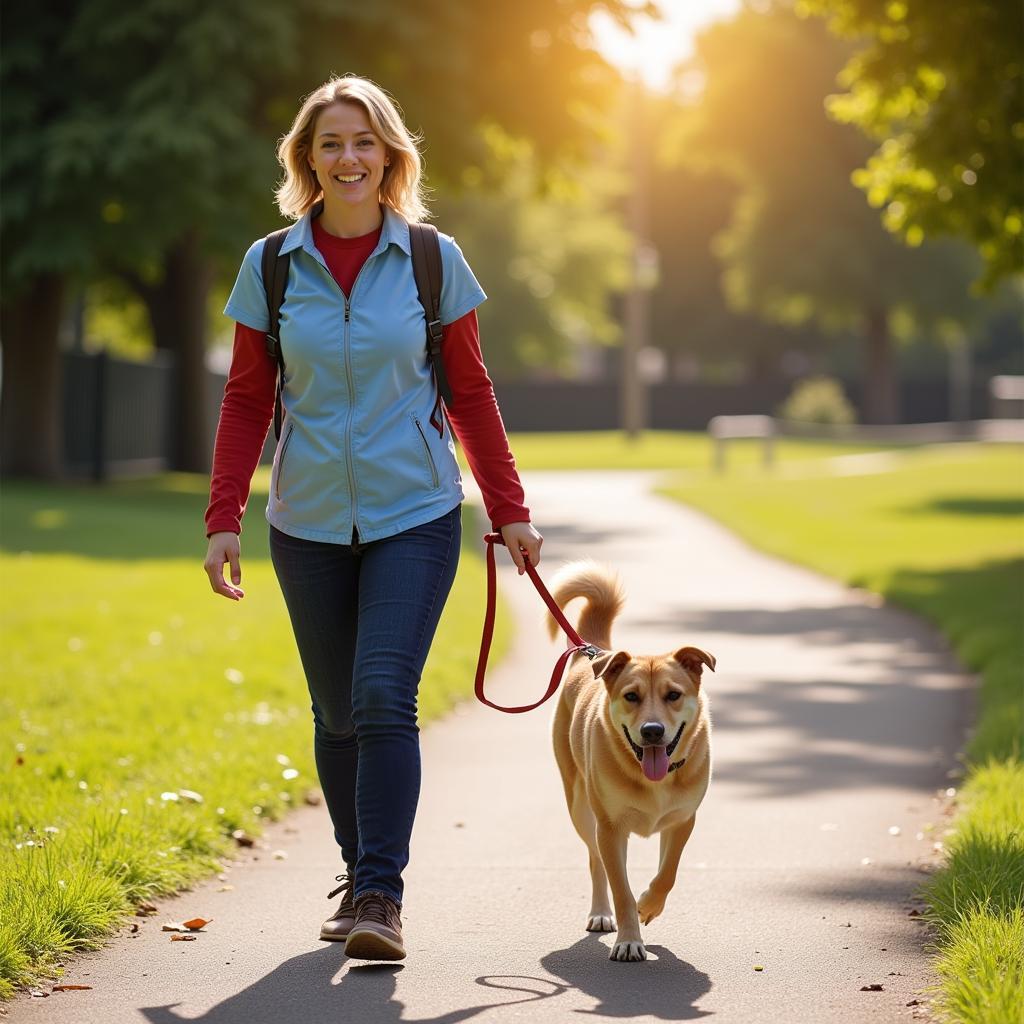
[[426, 268]]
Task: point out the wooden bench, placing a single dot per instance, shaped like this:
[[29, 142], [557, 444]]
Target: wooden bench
[[724, 428]]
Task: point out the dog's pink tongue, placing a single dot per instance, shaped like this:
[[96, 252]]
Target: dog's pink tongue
[[655, 763]]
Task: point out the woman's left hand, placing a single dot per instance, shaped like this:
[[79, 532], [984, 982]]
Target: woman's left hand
[[520, 538]]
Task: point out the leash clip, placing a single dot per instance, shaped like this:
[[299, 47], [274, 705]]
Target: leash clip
[[591, 651]]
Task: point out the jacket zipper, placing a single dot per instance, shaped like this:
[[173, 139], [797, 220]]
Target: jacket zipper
[[430, 458], [280, 461], [351, 407]]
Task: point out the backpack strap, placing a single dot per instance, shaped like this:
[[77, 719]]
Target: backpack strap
[[274, 266], [426, 268]]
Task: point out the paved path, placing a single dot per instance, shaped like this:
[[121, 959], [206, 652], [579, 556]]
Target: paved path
[[834, 720]]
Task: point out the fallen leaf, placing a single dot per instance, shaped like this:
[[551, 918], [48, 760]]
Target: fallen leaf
[[37, 993], [184, 938], [871, 988], [914, 1002], [72, 988], [173, 926], [196, 923], [243, 838], [914, 913], [145, 909], [758, 967], [135, 926], [280, 855], [312, 797]]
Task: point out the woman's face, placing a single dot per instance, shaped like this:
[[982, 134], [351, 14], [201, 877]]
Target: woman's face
[[348, 158]]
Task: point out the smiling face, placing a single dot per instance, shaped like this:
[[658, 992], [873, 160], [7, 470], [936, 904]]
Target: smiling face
[[347, 156], [653, 701]]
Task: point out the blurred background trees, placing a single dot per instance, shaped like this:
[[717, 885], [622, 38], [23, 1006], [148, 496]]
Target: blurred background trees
[[138, 164]]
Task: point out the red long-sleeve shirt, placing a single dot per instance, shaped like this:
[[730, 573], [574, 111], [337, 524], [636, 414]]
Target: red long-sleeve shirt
[[248, 407]]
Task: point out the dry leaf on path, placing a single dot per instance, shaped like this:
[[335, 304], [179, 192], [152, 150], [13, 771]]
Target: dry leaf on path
[[196, 923], [183, 938], [871, 988], [72, 988]]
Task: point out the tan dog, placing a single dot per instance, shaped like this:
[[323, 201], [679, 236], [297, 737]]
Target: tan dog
[[632, 740]]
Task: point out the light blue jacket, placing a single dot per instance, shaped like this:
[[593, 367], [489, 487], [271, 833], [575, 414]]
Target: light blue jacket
[[357, 448]]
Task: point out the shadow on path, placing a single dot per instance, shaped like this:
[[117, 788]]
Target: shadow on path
[[666, 988], [302, 988]]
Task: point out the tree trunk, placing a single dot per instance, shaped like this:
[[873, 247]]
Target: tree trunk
[[31, 441], [881, 394], [177, 311]]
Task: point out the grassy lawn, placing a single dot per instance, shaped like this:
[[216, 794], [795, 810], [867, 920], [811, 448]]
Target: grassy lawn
[[143, 718], [655, 449], [942, 533]]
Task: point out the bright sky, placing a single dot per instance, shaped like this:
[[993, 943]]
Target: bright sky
[[658, 45]]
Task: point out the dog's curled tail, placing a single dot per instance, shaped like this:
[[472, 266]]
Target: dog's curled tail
[[604, 595]]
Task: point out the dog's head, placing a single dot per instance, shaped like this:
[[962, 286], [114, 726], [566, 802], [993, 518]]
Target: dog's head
[[653, 702]]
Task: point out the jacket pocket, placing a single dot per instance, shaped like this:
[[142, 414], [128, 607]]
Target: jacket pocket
[[280, 460], [430, 458]]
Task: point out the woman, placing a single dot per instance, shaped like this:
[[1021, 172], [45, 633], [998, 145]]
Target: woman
[[364, 508]]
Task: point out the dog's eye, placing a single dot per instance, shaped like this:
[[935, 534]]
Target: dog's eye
[[632, 697], [673, 695]]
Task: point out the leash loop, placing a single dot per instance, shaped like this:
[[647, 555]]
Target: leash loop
[[574, 643]]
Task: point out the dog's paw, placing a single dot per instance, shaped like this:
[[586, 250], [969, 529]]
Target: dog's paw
[[649, 906], [600, 923], [625, 951]]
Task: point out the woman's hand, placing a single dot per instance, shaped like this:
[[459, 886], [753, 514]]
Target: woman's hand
[[224, 547], [519, 538]]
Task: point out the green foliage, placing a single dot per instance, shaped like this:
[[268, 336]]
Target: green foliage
[[976, 903], [803, 244], [164, 117], [130, 683], [548, 254], [818, 400], [941, 86]]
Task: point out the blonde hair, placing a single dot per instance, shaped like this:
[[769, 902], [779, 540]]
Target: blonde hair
[[402, 187]]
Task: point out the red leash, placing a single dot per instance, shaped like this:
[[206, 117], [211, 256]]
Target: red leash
[[575, 642]]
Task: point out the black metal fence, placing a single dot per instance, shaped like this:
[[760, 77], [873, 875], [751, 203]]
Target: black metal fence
[[117, 414]]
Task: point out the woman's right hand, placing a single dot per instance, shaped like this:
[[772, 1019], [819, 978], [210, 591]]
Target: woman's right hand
[[224, 547]]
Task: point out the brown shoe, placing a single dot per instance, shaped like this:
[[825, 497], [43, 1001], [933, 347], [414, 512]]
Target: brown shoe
[[377, 934], [337, 927]]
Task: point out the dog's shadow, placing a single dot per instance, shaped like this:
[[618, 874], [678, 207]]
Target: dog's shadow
[[666, 988]]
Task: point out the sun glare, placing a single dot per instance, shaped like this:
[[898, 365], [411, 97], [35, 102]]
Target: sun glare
[[656, 47]]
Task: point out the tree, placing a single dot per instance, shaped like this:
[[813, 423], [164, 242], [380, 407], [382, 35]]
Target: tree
[[940, 85], [803, 244], [151, 154], [549, 262]]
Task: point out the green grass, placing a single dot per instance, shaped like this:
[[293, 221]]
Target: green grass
[[654, 449], [128, 682], [941, 533]]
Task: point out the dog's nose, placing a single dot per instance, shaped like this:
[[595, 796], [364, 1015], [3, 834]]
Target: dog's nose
[[652, 732]]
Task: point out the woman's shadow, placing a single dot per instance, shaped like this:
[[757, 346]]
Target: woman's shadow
[[301, 990]]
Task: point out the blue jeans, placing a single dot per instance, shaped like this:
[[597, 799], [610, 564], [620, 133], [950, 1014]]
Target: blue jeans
[[364, 617]]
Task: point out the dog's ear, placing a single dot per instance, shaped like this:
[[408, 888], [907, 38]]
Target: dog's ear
[[693, 659], [607, 666]]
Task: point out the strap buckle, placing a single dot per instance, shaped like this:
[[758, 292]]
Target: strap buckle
[[590, 651], [435, 330], [272, 345]]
